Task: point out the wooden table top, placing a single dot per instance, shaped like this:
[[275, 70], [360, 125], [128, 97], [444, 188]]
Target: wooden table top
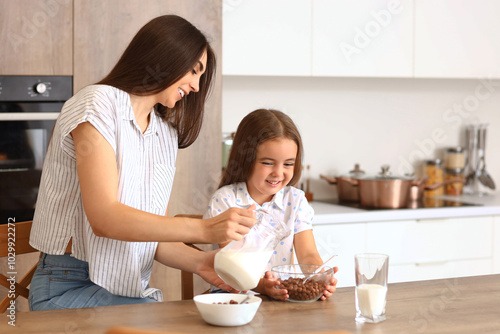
[[457, 305]]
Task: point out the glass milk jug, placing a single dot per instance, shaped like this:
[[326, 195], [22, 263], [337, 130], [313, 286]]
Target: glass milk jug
[[242, 263]]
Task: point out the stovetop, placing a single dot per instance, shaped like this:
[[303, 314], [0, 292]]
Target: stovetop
[[425, 203]]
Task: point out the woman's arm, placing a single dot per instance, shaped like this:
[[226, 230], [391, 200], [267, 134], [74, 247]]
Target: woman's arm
[[98, 177], [181, 256]]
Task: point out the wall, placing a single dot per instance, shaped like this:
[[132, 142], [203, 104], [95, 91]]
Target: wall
[[371, 121]]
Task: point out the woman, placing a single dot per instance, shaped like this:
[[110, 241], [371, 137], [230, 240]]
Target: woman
[[100, 217]]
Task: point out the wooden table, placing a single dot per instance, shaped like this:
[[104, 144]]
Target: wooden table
[[458, 305]]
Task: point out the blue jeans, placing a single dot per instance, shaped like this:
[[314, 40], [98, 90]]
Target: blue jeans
[[62, 281]]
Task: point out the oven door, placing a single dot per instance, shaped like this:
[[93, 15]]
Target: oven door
[[25, 130]]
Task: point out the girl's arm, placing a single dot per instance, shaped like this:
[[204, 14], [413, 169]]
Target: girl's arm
[[307, 253], [305, 248], [98, 177], [180, 256]]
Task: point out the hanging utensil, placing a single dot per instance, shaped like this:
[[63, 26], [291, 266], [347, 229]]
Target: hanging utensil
[[485, 178], [482, 174]]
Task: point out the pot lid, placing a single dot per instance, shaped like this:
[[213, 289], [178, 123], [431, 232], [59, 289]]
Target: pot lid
[[356, 172], [385, 174]]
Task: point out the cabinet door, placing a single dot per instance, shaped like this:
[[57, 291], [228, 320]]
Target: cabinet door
[[362, 38], [457, 39], [36, 37], [432, 241], [345, 240], [438, 270], [264, 37]]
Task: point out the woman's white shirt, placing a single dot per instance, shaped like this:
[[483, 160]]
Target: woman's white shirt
[[145, 167]]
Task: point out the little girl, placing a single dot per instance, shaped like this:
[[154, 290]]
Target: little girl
[[264, 163]]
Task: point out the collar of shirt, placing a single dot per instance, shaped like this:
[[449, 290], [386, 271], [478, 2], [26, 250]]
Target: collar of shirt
[[243, 197], [129, 115]]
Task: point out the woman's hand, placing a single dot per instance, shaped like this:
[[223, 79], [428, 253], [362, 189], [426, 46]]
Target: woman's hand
[[232, 224], [205, 269], [269, 283], [330, 289]]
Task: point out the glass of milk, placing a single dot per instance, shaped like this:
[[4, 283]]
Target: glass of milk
[[242, 263], [371, 286]]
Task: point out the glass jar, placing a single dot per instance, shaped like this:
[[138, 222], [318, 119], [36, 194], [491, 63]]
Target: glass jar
[[454, 188], [227, 143], [455, 158], [242, 263], [434, 174]]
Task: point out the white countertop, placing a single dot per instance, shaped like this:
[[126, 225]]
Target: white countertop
[[326, 213]]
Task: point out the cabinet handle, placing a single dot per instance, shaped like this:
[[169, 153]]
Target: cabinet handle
[[430, 263]]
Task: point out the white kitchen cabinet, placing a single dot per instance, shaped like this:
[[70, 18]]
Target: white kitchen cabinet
[[362, 38], [345, 240], [434, 248], [262, 37], [438, 270], [417, 249], [431, 240], [457, 38]]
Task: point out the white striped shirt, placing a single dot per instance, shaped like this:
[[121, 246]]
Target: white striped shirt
[[145, 167]]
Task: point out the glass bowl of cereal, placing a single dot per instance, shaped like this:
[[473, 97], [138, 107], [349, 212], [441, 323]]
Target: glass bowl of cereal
[[301, 281]]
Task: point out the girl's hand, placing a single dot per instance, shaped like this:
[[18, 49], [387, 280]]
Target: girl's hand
[[232, 224], [330, 289], [270, 283]]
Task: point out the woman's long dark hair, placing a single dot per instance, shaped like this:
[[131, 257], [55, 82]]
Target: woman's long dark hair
[[257, 127], [161, 53]]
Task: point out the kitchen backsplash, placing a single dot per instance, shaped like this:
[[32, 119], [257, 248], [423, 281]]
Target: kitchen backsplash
[[371, 121]]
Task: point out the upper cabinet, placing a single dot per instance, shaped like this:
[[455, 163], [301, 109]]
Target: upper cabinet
[[362, 38], [262, 37], [36, 37], [457, 39], [356, 38]]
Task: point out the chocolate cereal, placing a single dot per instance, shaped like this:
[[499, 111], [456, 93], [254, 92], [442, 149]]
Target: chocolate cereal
[[297, 290]]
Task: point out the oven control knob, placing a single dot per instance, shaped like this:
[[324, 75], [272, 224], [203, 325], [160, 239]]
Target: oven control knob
[[40, 88]]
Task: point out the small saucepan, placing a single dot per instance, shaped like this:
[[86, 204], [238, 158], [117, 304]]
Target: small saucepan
[[346, 190]]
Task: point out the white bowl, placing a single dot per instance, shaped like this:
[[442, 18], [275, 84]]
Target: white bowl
[[227, 314]]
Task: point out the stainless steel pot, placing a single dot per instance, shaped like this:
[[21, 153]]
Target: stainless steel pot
[[346, 190]]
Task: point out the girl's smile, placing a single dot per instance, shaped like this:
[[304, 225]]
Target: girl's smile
[[273, 169]]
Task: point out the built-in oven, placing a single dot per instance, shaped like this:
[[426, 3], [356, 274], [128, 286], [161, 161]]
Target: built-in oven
[[29, 107]]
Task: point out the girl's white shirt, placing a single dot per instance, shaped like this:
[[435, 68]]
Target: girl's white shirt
[[145, 167], [289, 204]]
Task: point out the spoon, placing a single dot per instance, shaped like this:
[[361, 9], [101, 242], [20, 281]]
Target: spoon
[[246, 298], [485, 178], [321, 267], [325, 264]]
